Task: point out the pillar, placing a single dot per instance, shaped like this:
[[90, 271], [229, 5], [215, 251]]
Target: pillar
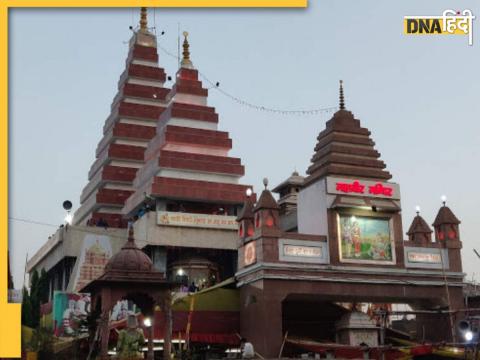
[[261, 320], [150, 332], [167, 344], [105, 323], [150, 337], [104, 334]]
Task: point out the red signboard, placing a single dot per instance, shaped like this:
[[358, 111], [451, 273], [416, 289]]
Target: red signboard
[[359, 188]]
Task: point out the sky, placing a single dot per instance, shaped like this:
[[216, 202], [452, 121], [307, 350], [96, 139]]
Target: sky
[[419, 96]]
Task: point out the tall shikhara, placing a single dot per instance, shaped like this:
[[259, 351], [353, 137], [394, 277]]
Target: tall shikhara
[[346, 149], [135, 111], [188, 157], [159, 142]]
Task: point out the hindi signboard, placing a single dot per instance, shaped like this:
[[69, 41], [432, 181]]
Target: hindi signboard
[[169, 218], [428, 258], [425, 257], [365, 188], [304, 251]]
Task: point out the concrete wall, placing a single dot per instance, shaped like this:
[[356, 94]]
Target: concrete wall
[[313, 203]]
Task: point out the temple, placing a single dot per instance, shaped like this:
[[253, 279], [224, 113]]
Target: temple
[[163, 163], [346, 246], [135, 110], [274, 271]]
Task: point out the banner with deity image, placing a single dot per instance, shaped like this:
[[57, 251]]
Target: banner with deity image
[[70, 312], [365, 240]]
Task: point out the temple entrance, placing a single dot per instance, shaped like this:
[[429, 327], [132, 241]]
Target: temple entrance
[[308, 317], [199, 268], [350, 320]]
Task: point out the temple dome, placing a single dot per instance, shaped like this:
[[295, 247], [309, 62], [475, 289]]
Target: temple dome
[[130, 258]]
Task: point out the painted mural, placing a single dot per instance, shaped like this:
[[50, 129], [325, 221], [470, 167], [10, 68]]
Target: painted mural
[[365, 239], [95, 253]]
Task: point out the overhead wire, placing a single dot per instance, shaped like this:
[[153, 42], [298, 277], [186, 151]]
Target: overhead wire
[[28, 221], [74, 227]]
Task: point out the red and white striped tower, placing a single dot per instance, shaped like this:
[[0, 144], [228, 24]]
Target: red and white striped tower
[[135, 111], [188, 160]]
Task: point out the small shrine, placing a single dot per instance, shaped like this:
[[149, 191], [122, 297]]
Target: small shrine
[[356, 328], [130, 275]]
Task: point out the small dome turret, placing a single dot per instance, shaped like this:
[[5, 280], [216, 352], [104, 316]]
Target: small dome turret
[[130, 257], [419, 231]]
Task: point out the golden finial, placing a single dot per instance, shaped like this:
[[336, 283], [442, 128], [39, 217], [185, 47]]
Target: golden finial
[[143, 19], [186, 62], [342, 99]]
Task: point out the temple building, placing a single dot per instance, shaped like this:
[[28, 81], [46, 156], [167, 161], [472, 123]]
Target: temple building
[[135, 111], [347, 246], [163, 163], [270, 270], [192, 183]]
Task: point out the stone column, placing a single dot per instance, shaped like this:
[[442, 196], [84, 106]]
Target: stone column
[[261, 320], [272, 327], [104, 334]]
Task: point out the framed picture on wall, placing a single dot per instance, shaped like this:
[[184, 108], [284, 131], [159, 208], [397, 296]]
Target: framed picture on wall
[[365, 239]]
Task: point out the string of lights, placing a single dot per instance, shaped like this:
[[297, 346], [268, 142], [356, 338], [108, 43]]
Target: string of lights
[[216, 85]]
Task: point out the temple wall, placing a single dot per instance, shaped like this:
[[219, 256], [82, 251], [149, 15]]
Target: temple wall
[[69, 244], [313, 203]]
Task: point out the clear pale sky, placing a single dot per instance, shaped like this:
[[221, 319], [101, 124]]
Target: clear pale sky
[[419, 96]]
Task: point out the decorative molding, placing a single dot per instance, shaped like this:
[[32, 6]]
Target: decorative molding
[[346, 269]]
